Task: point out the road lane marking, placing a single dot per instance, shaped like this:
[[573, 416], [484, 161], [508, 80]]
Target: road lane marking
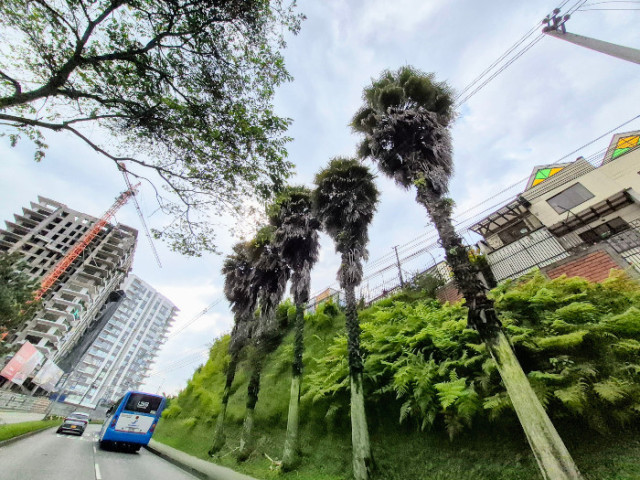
[[94, 449], [98, 476]]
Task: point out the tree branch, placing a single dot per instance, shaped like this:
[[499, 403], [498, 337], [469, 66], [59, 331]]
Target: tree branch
[[13, 81], [59, 18]]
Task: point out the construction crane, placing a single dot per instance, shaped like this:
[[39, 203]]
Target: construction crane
[[137, 206], [88, 237]]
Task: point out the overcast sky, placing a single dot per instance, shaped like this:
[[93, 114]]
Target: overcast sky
[[552, 100]]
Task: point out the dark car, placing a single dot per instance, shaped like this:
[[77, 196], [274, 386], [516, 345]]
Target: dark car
[[74, 423], [71, 425]]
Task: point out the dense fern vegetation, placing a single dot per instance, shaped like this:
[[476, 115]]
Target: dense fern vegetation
[[436, 405]]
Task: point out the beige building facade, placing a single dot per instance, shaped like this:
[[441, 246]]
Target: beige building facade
[[567, 209]]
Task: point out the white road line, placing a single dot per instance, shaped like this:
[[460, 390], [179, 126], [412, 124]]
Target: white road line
[[98, 476], [94, 449]]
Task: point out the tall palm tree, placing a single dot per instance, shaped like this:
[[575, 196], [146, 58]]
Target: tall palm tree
[[344, 201], [269, 278], [405, 121], [237, 271], [296, 240]]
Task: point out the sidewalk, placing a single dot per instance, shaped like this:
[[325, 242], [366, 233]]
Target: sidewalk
[[19, 417], [199, 468]]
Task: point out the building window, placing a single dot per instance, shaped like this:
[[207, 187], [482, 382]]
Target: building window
[[613, 226], [514, 232], [570, 198]]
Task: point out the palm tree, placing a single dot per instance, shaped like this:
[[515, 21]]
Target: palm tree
[[405, 121], [237, 270], [296, 240], [269, 278], [344, 201]]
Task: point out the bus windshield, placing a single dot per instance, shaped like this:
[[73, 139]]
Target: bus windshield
[[141, 403]]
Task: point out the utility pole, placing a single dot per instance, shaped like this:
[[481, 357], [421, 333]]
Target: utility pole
[[555, 27], [399, 267]]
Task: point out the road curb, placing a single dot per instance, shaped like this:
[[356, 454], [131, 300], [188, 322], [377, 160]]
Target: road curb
[[195, 466], [23, 436]]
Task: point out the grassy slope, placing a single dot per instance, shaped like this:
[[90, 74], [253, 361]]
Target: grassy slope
[[489, 452], [14, 429]]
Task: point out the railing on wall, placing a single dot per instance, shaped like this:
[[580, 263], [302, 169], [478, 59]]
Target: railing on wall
[[627, 244], [538, 249]]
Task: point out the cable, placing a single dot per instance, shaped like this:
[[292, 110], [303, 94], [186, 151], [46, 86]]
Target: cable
[[467, 221], [504, 55], [198, 316], [502, 69]]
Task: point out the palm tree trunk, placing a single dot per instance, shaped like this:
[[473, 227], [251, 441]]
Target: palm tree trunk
[[218, 434], [362, 458], [291, 444], [246, 439], [553, 458]]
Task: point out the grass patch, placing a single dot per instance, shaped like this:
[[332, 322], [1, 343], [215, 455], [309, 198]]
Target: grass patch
[[15, 429], [490, 451]]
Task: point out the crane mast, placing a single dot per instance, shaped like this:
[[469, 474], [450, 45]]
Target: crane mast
[[88, 237]]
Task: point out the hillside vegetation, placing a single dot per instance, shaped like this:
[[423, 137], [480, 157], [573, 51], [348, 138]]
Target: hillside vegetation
[[435, 402]]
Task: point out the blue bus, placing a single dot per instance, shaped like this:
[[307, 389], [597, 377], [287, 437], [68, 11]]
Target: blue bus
[[131, 421]]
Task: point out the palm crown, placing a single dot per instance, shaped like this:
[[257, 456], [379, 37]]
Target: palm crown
[[344, 201], [269, 276], [405, 119], [296, 236], [237, 271]]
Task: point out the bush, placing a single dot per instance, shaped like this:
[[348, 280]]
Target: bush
[[577, 341]]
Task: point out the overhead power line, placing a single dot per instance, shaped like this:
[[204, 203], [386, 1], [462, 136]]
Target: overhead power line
[[196, 318], [467, 218], [513, 53]]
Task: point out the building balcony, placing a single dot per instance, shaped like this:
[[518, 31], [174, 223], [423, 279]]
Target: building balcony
[[60, 313], [46, 351], [49, 336], [538, 249], [48, 323]]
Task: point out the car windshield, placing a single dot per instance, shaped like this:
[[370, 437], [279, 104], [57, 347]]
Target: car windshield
[[72, 421], [77, 417]]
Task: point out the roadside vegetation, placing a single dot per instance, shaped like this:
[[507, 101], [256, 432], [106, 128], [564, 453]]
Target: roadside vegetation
[[436, 406], [16, 429]]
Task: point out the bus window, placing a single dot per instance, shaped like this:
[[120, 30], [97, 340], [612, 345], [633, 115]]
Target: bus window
[[141, 403]]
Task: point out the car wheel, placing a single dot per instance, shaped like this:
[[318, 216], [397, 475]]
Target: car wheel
[[59, 430]]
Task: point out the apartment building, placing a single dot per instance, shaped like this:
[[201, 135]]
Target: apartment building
[[121, 356], [43, 233]]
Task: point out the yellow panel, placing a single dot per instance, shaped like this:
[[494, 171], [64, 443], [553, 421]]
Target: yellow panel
[[555, 170], [628, 142], [537, 181]]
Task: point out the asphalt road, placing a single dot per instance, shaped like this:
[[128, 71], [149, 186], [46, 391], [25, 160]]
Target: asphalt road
[[51, 456]]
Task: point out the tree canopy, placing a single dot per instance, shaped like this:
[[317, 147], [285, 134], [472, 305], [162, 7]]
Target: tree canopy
[[186, 88], [16, 292]]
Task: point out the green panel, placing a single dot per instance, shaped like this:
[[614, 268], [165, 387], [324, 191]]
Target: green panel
[[543, 173], [619, 151]]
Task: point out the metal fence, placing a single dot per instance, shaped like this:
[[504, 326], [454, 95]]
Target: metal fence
[[23, 403], [538, 249], [627, 244]]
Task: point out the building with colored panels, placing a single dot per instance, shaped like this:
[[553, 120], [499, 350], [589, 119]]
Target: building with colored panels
[[568, 212]]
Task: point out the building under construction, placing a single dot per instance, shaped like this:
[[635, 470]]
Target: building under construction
[[44, 234]]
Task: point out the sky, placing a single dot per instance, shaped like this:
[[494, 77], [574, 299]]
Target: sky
[[554, 99]]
